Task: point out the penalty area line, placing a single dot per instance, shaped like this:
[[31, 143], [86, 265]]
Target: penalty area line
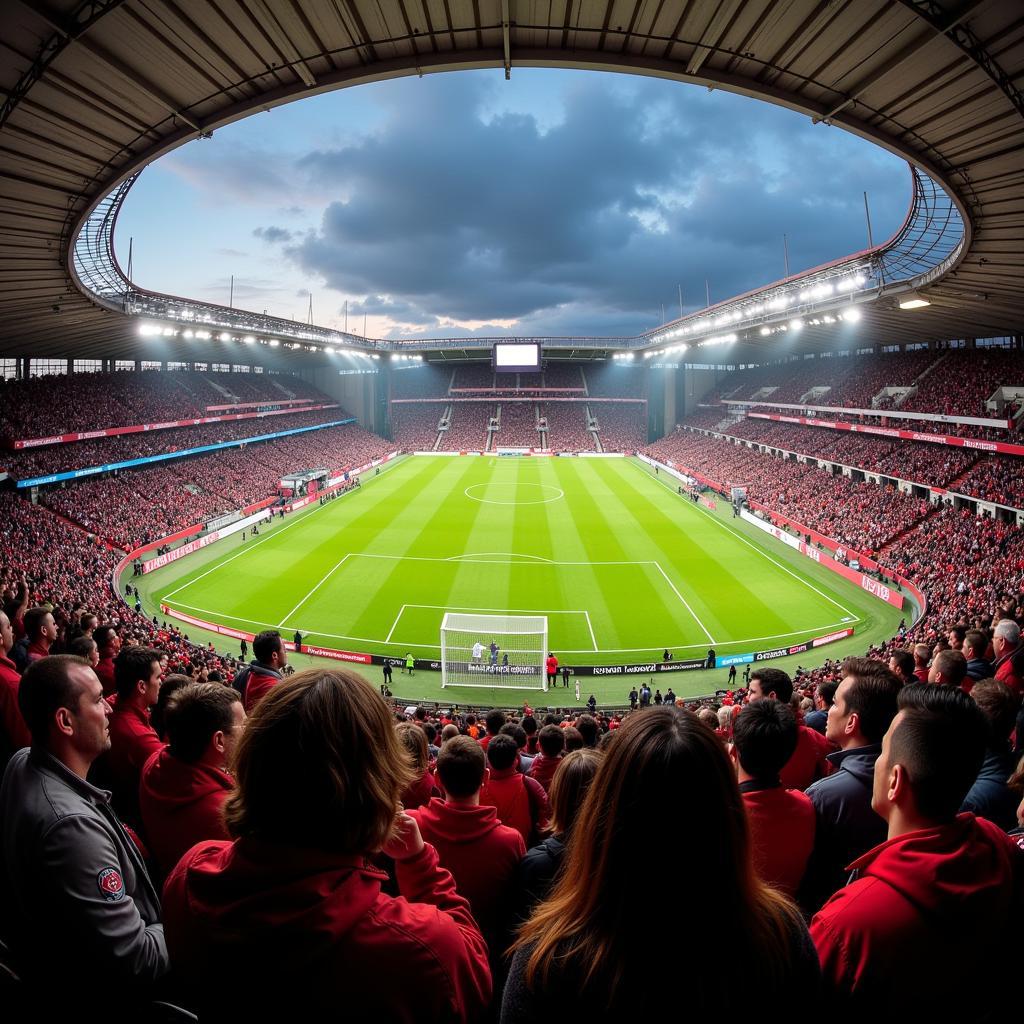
[[314, 589], [696, 618]]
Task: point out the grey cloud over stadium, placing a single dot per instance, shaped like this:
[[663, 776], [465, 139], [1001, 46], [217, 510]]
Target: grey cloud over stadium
[[450, 210]]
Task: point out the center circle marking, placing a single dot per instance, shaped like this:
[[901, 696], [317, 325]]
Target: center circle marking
[[558, 493]]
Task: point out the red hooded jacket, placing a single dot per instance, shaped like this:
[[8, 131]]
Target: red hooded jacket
[[782, 825], [543, 769], [926, 928], [521, 801], [180, 805], [133, 740], [809, 761], [310, 932], [481, 853], [12, 725]]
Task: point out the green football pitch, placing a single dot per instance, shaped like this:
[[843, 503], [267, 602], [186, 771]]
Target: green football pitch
[[618, 562]]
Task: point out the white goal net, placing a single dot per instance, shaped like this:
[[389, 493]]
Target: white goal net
[[506, 651]]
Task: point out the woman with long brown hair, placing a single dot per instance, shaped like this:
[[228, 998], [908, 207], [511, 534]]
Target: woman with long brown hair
[[664, 803], [289, 918]]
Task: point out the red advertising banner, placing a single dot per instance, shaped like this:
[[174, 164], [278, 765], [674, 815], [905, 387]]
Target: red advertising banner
[[241, 634], [1001, 447], [139, 428]]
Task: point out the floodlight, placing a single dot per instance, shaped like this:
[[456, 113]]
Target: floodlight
[[851, 315], [765, 331], [796, 323], [912, 300], [188, 334], [224, 336], [249, 340]]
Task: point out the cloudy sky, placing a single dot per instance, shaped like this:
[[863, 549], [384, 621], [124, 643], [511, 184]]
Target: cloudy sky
[[558, 203]]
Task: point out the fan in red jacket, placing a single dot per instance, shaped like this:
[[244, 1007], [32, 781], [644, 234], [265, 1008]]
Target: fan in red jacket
[[293, 905], [185, 784], [520, 801], [133, 740], [108, 643], [545, 764], [809, 761], [927, 926], [480, 852], [14, 732], [782, 821], [1006, 646]]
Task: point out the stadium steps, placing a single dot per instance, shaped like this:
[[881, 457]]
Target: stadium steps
[[280, 387], [74, 524], [930, 368], [586, 389], [451, 383], [885, 550]]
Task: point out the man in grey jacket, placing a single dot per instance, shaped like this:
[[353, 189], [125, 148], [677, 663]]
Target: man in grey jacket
[[76, 901], [846, 826]]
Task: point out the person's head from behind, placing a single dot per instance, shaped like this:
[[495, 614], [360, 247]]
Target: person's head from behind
[[517, 732], [665, 792], [902, 663], [931, 755], [461, 765], [319, 765], [569, 786], [589, 730], [551, 741], [85, 647], [449, 732], [764, 737], [137, 675], [948, 668], [414, 740], [61, 700], [168, 688], [770, 682], [502, 752], [494, 721], [203, 723], [573, 739], [1000, 706], [864, 704]]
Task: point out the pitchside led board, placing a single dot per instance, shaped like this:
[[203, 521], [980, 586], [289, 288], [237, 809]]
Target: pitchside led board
[[516, 357]]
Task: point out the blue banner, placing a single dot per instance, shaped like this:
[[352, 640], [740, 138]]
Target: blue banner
[[74, 474], [725, 660]]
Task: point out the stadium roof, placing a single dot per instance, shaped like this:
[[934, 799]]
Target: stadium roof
[[96, 89]]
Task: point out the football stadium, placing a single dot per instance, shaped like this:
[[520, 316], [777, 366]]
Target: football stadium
[[406, 632]]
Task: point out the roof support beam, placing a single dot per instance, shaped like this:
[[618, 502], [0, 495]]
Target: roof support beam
[[505, 39], [900, 57], [117, 66]]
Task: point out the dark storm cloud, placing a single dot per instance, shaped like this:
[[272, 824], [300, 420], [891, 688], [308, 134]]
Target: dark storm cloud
[[590, 226]]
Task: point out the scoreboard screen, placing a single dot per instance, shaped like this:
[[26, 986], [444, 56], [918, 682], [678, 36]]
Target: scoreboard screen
[[516, 357]]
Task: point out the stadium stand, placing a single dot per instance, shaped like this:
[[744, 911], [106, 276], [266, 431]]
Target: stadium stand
[[518, 426], [58, 404], [567, 427]]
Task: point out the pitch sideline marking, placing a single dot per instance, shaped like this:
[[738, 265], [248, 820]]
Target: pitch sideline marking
[[314, 589], [696, 619], [751, 544], [605, 650], [276, 533]]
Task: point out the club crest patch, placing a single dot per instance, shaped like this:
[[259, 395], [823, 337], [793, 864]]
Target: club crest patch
[[111, 885]]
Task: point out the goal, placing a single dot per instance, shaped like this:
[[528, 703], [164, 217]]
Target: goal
[[506, 651]]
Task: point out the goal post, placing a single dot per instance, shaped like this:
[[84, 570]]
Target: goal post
[[504, 651]]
